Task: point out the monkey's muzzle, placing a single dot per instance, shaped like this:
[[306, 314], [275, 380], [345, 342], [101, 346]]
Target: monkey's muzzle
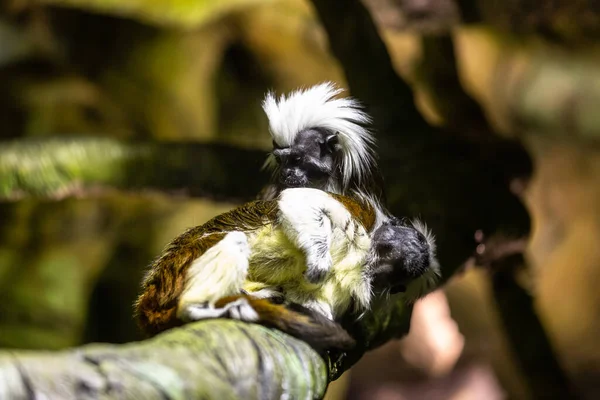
[[294, 178]]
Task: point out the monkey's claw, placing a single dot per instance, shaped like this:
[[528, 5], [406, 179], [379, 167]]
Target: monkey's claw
[[197, 312], [239, 309]]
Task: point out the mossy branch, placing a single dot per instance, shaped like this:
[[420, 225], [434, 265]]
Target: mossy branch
[[63, 167], [218, 359]]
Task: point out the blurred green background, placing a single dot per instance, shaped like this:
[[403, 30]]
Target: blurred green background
[[196, 71]]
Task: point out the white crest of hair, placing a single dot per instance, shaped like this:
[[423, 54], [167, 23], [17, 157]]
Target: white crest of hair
[[317, 107], [427, 282]]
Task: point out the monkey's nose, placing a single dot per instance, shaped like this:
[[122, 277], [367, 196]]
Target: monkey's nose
[[294, 173], [294, 177]]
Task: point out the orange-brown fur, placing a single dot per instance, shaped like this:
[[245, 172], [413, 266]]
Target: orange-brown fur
[[364, 213]]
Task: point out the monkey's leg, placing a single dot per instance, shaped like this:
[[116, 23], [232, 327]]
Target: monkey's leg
[[308, 218], [301, 322], [219, 272]]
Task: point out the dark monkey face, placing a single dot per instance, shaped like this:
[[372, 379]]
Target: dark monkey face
[[403, 255], [308, 162]]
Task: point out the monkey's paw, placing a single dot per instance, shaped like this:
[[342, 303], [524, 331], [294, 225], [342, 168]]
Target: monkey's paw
[[317, 270], [238, 309], [241, 310]]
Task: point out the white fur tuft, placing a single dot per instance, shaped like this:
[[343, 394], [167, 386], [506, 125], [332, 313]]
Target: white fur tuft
[[317, 107], [427, 282], [425, 231], [217, 273]]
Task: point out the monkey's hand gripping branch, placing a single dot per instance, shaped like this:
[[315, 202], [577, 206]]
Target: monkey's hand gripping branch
[[308, 218]]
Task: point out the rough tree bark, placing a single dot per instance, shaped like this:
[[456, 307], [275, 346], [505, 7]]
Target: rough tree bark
[[205, 360]]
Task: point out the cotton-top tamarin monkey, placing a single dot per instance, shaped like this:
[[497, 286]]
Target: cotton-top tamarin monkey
[[320, 141], [261, 250]]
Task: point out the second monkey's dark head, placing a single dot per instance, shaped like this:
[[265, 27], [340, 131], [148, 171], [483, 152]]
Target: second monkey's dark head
[[405, 262]]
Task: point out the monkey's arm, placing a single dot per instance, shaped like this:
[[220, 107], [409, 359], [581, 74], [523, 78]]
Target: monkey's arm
[[308, 218]]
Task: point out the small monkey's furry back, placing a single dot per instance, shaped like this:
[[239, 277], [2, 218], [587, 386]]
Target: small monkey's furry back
[[165, 280], [317, 107]]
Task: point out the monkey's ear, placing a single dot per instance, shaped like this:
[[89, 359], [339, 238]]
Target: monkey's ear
[[332, 142]]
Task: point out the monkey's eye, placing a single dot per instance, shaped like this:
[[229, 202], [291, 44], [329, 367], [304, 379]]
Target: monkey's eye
[[331, 142]]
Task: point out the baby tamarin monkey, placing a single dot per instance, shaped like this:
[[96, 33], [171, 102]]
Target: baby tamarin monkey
[[260, 249]]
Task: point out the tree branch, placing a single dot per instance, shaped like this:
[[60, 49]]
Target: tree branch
[[559, 20], [503, 257], [437, 73], [218, 359], [61, 167], [526, 334], [355, 42]]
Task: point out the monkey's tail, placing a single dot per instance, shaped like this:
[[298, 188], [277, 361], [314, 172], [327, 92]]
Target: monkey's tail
[[151, 317], [307, 325]]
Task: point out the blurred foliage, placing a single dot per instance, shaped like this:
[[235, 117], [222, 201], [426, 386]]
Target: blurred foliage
[[570, 22], [77, 166], [179, 13]]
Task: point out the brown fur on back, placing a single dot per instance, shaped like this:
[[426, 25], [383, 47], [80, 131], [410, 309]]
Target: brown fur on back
[[156, 307]]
